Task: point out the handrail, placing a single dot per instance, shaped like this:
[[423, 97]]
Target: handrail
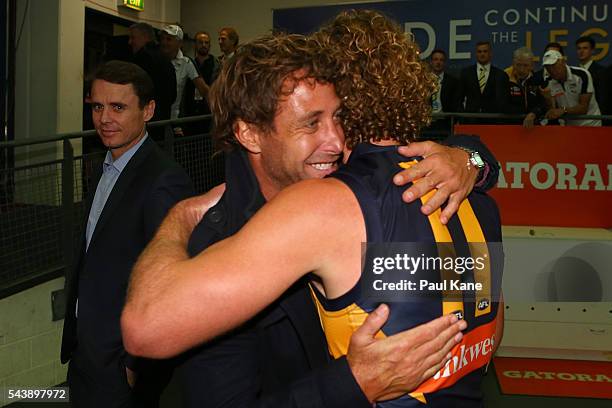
[[510, 116], [50, 199], [87, 133]]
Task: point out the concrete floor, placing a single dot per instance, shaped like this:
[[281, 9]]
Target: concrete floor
[[493, 399]]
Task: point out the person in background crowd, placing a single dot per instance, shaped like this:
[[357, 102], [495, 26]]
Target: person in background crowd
[[171, 41], [585, 46], [208, 67], [572, 90], [447, 95], [484, 87], [195, 104], [525, 95], [540, 76], [146, 55], [228, 42]]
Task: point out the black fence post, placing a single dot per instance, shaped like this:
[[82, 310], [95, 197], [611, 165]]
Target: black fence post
[[68, 202], [169, 140]]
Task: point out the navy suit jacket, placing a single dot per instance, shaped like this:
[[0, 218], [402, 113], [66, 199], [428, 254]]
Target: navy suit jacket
[[495, 96], [597, 72], [149, 185], [450, 96]]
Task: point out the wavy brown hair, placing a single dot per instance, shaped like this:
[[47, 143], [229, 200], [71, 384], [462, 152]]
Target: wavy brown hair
[[253, 82], [384, 86]]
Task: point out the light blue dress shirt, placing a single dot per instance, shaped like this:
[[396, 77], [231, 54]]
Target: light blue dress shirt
[[111, 171]]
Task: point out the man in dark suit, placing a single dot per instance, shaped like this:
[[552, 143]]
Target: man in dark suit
[[485, 88], [138, 185], [447, 96], [584, 49]]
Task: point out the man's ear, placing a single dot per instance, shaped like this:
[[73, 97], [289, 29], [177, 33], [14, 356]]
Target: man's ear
[[149, 110], [248, 135]]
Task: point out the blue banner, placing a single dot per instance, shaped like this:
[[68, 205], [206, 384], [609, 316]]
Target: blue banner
[[456, 27]]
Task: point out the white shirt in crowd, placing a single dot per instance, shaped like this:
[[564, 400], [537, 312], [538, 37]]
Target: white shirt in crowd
[[184, 70]]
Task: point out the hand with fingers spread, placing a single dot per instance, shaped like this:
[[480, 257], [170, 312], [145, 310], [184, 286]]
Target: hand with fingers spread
[[443, 168], [393, 366]]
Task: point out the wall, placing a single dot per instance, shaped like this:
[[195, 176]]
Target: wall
[[156, 12], [35, 96], [29, 340]]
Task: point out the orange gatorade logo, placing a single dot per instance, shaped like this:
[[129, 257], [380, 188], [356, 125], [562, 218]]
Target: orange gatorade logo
[[474, 351], [559, 378]]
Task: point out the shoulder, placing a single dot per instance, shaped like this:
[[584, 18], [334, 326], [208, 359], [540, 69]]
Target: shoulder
[[157, 162], [499, 72], [450, 78], [596, 67], [319, 195], [468, 70], [581, 73]]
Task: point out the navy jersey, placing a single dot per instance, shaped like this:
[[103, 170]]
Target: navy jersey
[[469, 233]]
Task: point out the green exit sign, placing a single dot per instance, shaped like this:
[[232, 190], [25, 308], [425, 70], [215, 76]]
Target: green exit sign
[[133, 4]]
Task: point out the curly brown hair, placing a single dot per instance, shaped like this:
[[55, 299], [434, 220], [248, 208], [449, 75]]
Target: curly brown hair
[[254, 80], [384, 86]]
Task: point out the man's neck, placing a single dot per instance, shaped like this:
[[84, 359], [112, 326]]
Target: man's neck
[[117, 152], [201, 58], [268, 188]]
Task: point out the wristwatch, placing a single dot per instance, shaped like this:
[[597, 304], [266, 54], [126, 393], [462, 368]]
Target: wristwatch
[[474, 158]]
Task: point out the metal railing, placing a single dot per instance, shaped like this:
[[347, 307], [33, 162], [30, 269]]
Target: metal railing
[[42, 196], [451, 119]]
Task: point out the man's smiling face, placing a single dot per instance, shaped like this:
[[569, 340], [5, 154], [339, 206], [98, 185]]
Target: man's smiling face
[[307, 137]]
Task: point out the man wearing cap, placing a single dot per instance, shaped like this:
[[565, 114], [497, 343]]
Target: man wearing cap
[[572, 90], [171, 40]]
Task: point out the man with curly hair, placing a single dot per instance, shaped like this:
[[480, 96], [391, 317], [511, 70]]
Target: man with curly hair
[[305, 111]]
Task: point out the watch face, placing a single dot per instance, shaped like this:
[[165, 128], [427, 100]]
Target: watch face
[[477, 160]]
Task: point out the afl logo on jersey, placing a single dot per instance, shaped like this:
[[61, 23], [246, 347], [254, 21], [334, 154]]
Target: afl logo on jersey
[[483, 304], [459, 314]]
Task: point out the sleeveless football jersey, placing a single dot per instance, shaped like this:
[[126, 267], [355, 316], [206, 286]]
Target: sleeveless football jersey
[[474, 231]]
